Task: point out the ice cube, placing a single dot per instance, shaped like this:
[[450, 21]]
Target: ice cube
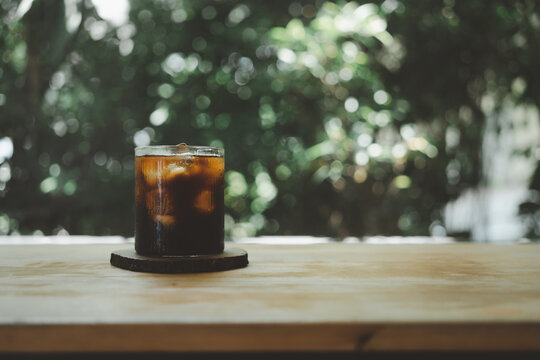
[[212, 167], [174, 170], [165, 220], [204, 202], [178, 167], [151, 176], [148, 169]]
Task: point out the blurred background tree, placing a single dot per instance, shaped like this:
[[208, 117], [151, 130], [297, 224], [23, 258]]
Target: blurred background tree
[[339, 119]]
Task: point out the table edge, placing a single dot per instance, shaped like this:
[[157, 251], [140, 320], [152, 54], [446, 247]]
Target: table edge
[[520, 336]]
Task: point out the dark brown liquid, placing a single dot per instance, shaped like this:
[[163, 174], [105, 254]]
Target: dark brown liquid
[[179, 205]]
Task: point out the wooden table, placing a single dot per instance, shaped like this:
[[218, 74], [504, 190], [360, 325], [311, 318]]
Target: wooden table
[[325, 297]]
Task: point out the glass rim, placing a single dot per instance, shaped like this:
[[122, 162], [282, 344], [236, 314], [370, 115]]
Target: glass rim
[[182, 149]]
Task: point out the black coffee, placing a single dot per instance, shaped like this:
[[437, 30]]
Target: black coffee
[[179, 204]]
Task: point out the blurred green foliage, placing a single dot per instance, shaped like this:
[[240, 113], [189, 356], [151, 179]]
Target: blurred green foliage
[[338, 119]]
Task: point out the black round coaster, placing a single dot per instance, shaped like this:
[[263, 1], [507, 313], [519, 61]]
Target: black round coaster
[[231, 258]]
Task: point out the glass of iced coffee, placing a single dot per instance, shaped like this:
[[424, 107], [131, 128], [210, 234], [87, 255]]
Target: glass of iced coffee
[[179, 200]]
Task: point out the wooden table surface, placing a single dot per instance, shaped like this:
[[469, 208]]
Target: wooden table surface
[[352, 297]]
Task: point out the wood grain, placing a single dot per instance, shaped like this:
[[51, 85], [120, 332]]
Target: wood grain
[[314, 297]]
